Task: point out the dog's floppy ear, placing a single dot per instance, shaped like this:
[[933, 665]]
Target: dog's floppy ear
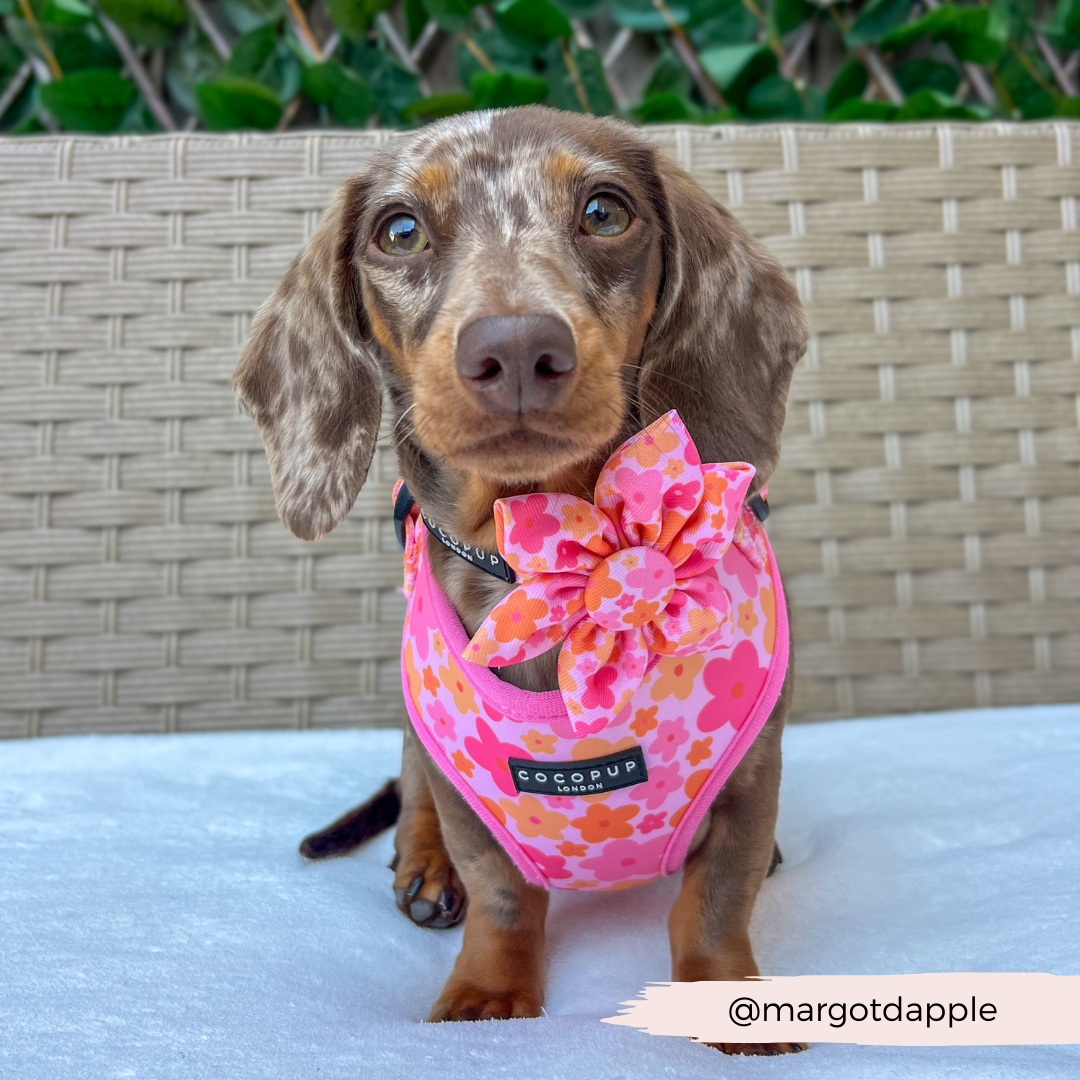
[[727, 331], [307, 377]]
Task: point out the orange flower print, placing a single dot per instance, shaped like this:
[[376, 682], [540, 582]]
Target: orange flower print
[[644, 721], [674, 467], [572, 850], [463, 764], [494, 807], [647, 449], [767, 599], [431, 684], [454, 681], [515, 618], [747, 619], [676, 675], [533, 820], [700, 749], [437, 641], [603, 822], [412, 674], [579, 520], [538, 743]]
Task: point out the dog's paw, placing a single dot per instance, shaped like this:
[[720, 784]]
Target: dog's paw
[[760, 1049], [428, 890], [468, 1002]]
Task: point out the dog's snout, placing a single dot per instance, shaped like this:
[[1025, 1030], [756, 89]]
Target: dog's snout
[[516, 363]]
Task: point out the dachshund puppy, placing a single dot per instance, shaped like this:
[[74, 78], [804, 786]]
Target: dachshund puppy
[[528, 288]]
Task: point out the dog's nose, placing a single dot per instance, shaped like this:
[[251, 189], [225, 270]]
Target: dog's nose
[[516, 363]]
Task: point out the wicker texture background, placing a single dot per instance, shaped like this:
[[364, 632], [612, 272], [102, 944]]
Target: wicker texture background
[[926, 516]]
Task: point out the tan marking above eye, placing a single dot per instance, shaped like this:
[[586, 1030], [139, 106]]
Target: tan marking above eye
[[402, 235], [605, 215]]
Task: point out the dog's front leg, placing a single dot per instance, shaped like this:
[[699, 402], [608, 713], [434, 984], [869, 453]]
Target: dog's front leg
[[499, 972], [731, 855]]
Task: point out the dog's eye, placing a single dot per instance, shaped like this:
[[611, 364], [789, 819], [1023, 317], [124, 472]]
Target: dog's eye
[[402, 235], [605, 215]]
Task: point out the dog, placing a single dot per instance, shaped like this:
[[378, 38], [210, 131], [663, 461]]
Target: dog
[[528, 288]]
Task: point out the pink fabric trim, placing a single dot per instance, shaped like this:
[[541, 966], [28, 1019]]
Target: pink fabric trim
[[675, 853]]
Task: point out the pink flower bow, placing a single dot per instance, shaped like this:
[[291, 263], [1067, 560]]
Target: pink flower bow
[[629, 575]]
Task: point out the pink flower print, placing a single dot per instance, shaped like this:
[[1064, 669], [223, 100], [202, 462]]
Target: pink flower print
[[651, 822], [491, 754], [567, 553], [737, 565], [735, 684], [598, 694], [670, 735], [624, 601], [683, 496], [641, 492], [532, 524], [622, 859], [442, 723], [663, 780], [553, 867]]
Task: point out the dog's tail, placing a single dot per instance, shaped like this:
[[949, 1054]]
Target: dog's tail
[[356, 826]]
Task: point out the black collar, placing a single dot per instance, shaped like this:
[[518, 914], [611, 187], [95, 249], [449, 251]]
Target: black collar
[[488, 561], [491, 562]]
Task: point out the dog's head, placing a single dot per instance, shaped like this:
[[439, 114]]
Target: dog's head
[[528, 286]]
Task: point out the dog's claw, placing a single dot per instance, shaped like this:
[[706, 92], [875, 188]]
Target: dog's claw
[[434, 899]]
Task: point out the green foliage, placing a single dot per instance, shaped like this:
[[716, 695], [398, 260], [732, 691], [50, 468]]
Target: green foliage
[[91, 100], [147, 22], [691, 61]]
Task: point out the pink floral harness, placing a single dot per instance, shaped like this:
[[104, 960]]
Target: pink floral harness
[[665, 597]]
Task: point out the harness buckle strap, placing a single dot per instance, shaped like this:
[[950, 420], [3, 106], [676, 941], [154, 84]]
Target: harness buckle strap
[[759, 505]]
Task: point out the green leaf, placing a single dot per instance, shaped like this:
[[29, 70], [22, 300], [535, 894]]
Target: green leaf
[[926, 74], [505, 54], [349, 97], [147, 22], [228, 103], [774, 97], [321, 82], [247, 15], [252, 53], [667, 108], [786, 15], [876, 20], [395, 89], [93, 100], [533, 20], [933, 105], [850, 81], [728, 22], [353, 17], [451, 15], [854, 109], [1069, 106], [642, 14], [502, 90], [725, 63], [65, 12], [967, 31], [590, 68], [11, 59], [439, 105], [1063, 29], [416, 18], [668, 77]]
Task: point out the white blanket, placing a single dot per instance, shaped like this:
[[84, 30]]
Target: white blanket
[[156, 921]]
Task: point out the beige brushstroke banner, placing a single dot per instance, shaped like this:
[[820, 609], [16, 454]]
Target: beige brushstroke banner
[[934, 1009]]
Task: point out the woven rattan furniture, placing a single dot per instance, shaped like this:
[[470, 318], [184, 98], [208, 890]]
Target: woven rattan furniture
[[926, 515]]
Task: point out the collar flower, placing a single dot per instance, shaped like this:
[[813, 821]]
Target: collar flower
[[624, 580]]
